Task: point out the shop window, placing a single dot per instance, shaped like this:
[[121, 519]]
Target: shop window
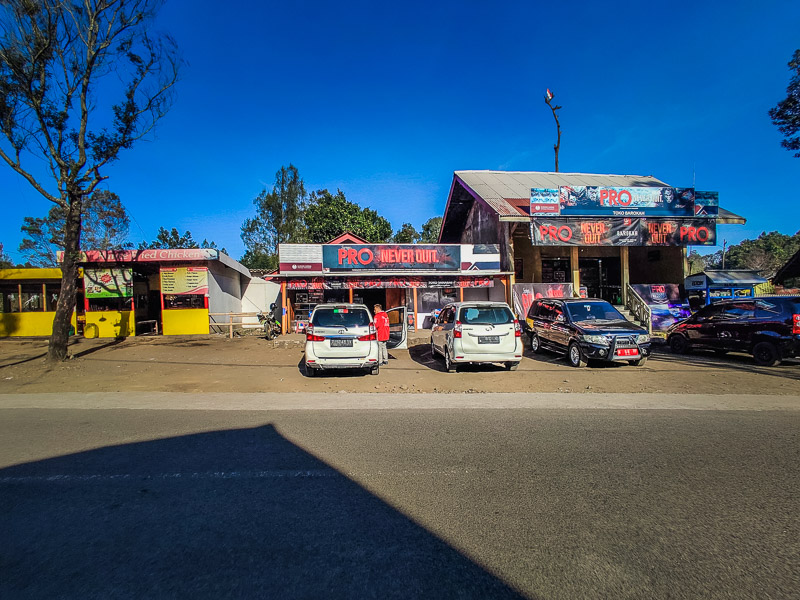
[[105, 304], [52, 290], [9, 298], [429, 300], [176, 301], [32, 297]]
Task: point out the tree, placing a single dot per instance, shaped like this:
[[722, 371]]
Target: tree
[[104, 226], [5, 261], [697, 262], [430, 230], [406, 235], [170, 239], [328, 216], [278, 220], [786, 115], [79, 83]]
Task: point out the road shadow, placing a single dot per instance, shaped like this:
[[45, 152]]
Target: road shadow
[[333, 373], [788, 369], [421, 354], [230, 513]]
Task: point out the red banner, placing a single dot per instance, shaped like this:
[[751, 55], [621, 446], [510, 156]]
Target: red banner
[[361, 283]]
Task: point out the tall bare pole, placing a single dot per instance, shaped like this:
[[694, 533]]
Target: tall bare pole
[[548, 98]]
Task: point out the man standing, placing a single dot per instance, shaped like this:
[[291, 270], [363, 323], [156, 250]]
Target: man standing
[[382, 327]]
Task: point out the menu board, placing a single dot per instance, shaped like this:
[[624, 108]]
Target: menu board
[[184, 280]]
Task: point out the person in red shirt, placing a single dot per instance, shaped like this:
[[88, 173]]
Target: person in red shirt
[[382, 327]]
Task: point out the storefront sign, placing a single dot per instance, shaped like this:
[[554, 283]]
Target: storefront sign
[[545, 202], [184, 280], [108, 283], [626, 201], [150, 255], [360, 283], [390, 257], [300, 258], [623, 232]]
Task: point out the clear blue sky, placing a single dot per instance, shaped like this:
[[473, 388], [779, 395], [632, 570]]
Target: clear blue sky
[[386, 100]]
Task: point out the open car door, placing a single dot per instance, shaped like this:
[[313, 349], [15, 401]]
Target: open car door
[[398, 328]]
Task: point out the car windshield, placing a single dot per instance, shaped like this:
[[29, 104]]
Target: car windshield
[[341, 317], [593, 311], [486, 315]]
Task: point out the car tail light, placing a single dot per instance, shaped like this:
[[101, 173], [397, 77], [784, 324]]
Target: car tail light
[[457, 330], [796, 324], [310, 337], [517, 329], [370, 337]]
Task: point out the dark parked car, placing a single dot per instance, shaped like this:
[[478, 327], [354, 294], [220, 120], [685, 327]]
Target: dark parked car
[[766, 327], [586, 329]]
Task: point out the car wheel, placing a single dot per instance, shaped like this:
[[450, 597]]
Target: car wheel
[[433, 349], [679, 344], [638, 363], [512, 366], [575, 356], [375, 370], [766, 354], [536, 347], [449, 365]]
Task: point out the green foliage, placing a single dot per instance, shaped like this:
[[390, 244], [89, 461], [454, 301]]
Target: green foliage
[[765, 254], [5, 261], [279, 215], [406, 235], [786, 115], [105, 225], [697, 262], [253, 260], [430, 230], [170, 239], [328, 216]]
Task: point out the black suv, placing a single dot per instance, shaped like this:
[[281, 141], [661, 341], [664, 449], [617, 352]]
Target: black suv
[[767, 327], [586, 329]]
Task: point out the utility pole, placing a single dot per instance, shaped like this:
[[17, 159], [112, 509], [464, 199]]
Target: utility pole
[[548, 98], [724, 244]]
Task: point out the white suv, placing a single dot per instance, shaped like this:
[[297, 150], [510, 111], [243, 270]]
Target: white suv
[[477, 332], [341, 336]]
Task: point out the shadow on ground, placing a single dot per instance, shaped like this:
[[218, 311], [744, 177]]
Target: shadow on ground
[[232, 513]]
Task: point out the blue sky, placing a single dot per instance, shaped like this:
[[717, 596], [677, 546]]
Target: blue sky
[[385, 101]]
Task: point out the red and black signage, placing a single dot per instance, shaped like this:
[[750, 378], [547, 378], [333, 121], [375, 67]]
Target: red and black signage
[[391, 257], [362, 283], [623, 232]]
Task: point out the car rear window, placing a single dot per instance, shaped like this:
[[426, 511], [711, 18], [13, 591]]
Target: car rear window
[[341, 317], [486, 315]]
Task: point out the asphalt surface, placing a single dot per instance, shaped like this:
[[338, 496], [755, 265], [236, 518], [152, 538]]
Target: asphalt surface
[[398, 502]]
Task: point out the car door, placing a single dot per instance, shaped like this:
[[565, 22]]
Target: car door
[[700, 328], [732, 327], [398, 328], [438, 332], [559, 330], [543, 321]]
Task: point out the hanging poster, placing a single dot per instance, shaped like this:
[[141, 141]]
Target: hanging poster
[[706, 204], [623, 232], [184, 280], [545, 202], [108, 283], [626, 201], [525, 293]]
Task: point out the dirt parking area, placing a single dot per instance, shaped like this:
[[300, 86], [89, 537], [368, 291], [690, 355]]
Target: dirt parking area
[[252, 364]]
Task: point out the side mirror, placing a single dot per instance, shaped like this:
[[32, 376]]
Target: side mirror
[[560, 319]]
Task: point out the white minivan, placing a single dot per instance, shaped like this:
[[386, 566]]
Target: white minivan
[[341, 336], [477, 332]]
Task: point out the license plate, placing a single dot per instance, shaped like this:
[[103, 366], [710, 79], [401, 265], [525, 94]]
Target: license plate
[[627, 352], [488, 339], [341, 343]]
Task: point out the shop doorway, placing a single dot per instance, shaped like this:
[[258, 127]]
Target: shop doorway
[[370, 297], [602, 278]]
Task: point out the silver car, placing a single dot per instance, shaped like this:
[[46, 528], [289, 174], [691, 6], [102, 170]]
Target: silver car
[[477, 332]]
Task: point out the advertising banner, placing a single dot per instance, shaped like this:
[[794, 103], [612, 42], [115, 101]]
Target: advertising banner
[[108, 283], [361, 283], [706, 204], [525, 293], [184, 280], [390, 257], [623, 232], [545, 202], [666, 302], [149, 255], [626, 201]]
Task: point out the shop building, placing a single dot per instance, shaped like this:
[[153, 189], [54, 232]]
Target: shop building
[[580, 233], [419, 277], [28, 300]]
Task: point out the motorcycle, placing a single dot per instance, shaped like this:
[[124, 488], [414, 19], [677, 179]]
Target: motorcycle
[[272, 327]]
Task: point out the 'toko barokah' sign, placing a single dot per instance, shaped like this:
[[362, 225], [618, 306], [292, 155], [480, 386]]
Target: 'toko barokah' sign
[[391, 257], [568, 201], [624, 232]]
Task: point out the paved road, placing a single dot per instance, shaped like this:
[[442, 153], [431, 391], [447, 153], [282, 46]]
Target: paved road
[[399, 502]]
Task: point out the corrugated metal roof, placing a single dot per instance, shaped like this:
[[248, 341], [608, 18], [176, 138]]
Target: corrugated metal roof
[[505, 191], [509, 192]]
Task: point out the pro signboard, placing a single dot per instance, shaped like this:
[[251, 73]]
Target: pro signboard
[[623, 232], [338, 258]]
